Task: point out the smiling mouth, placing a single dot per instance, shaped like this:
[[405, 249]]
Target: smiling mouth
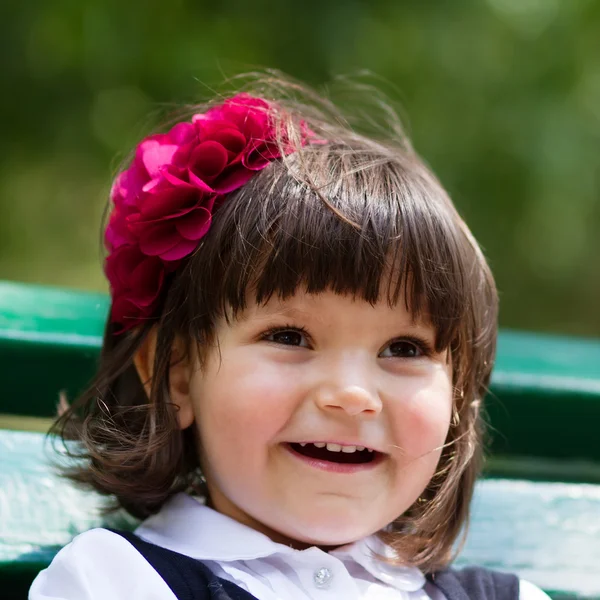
[[321, 452]]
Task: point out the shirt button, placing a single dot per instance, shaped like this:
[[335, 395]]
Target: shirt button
[[322, 577]]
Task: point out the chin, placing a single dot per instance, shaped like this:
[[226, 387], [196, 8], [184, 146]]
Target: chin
[[327, 532]]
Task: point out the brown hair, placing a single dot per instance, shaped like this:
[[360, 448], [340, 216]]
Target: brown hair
[[339, 216]]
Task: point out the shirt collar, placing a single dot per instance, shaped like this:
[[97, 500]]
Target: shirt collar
[[186, 526], [373, 555]]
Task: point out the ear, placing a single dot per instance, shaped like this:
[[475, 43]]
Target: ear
[[179, 375]]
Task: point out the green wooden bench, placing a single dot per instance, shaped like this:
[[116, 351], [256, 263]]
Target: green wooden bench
[[537, 511]]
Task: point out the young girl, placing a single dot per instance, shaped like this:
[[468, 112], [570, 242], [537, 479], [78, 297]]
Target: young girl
[[289, 394]]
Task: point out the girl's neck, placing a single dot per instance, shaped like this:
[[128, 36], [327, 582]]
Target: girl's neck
[[227, 508]]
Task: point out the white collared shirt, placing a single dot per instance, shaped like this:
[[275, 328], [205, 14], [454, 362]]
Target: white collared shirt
[[101, 565]]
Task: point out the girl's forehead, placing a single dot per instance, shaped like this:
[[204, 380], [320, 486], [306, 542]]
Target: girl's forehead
[[327, 306]]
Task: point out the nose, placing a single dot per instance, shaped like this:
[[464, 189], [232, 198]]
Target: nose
[[350, 391]]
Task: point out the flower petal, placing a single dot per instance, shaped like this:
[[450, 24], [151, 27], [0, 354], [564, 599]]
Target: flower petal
[[125, 312], [233, 140], [193, 180], [195, 224], [146, 281], [117, 232], [250, 114], [128, 184], [156, 154], [157, 240], [208, 159], [261, 155], [183, 249], [164, 202], [183, 133], [232, 179]]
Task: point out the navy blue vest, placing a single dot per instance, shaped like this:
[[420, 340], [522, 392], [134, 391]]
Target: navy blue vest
[[189, 579]]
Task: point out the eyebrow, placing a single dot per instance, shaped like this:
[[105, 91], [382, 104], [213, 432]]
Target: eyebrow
[[284, 311]]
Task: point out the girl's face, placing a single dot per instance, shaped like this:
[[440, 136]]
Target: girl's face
[[290, 376]]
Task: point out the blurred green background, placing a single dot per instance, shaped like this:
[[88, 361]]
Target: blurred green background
[[501, 97]]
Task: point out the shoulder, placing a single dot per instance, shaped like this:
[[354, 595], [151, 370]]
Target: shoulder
[[99, 564], [479, 583], [530, 591]]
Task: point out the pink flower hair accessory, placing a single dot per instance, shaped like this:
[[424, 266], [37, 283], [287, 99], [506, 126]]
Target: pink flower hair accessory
[[163, 203]]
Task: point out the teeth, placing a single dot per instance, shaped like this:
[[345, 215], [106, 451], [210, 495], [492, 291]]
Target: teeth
[[336, 447]]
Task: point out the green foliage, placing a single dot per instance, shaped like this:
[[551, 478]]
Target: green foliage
[[502, 98]]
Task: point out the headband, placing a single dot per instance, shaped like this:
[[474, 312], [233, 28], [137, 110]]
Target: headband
[[163, 203]]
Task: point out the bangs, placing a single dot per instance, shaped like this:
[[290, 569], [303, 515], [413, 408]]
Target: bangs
[[355, 224]]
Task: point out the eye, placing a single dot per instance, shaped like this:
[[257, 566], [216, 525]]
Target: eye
[[406, 348], [287, 336]]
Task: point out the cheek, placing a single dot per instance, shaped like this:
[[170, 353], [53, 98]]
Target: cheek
[[423, 420], [242, 407]]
